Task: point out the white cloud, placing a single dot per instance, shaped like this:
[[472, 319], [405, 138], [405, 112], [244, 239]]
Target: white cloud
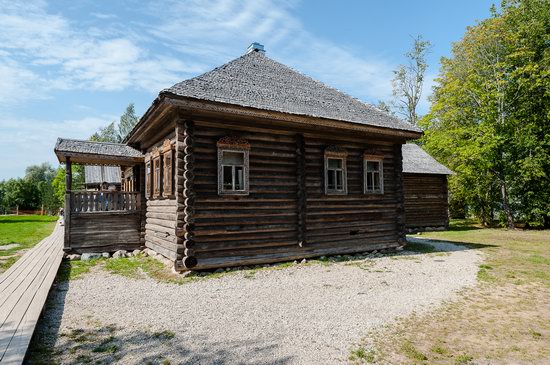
[[70, 58], [31, 141], [43, 51]]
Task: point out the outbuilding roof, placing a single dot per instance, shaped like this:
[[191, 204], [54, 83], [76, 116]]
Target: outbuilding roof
[[100, 174], [257, 81], [418, 161], [96, 153]]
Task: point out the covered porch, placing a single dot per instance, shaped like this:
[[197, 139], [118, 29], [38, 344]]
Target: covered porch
[[104, 220]]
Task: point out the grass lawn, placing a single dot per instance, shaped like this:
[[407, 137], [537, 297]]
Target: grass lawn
[[22, 232], [505, 319]]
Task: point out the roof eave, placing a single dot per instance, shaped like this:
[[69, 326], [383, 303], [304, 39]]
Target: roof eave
[[196, 103]]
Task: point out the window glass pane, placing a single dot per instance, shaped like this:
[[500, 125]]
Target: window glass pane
[[339, 180], [334, 163], [239, 178], [233, 158], [370, 184], [372, 165], [331, 180], [227, 178], [376, 181]]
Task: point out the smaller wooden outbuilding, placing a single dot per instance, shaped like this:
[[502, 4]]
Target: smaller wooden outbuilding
[[425, 190]]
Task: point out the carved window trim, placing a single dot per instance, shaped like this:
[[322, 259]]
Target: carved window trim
[[168, 169], [336, 153], [148, 178], [371, 157], [235, 145]]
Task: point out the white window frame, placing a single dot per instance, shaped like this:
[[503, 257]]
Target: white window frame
[[380, 171], [344, 170], [221, 188]]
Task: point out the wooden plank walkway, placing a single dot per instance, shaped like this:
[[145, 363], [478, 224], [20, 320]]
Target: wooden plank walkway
[[24, 288]]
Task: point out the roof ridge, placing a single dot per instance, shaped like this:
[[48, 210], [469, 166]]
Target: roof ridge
[[89, 141], [258, 81]]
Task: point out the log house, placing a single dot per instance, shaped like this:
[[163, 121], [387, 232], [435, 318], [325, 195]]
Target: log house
[[255, 163]]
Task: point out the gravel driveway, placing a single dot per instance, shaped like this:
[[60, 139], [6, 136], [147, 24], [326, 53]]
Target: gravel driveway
[[304, 314]]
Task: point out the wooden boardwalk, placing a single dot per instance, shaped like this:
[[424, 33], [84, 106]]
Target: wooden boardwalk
[[23, 292]]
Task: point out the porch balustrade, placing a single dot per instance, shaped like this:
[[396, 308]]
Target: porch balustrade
[[104, 201]]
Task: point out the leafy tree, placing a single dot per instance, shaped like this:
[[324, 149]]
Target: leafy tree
[[106, 134], [58, 186], [41, 176], [116, 132], [20, 193], [127, 122], [409, 79], [490, 112]]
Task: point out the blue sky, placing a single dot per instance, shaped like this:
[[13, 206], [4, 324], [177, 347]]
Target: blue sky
[[68, 68]]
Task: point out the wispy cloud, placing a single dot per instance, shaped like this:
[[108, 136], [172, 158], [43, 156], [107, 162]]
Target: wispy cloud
[[34, 139], [43, 51], [71, 58]]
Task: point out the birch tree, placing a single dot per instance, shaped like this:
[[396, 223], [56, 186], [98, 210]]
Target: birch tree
[[409, 79]]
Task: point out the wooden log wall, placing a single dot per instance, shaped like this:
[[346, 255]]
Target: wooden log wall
[[426, 205], [287, 215], [354, 222], [105, 231], [185, 195]]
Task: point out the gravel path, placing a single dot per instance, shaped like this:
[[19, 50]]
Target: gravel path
[[304, 314]]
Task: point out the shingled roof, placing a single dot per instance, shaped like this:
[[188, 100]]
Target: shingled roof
[[255, 80], [418, 161], [91, 152]]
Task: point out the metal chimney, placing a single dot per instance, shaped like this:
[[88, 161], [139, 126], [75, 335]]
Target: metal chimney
[[255, 47]]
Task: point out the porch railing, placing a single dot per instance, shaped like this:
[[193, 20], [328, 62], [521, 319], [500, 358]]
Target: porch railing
[[104, 201]]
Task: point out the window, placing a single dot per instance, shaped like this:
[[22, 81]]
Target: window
[[167, 189], [233, 171], [335, 175], [374, 176], [233, 157], [157, 177], [148, 179]]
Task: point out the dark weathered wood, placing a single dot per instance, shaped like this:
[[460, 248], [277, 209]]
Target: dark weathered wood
[[68, 201], [301, 191], [185, 195], [97, 201], [426, 202], [105, 231], [399, 194]]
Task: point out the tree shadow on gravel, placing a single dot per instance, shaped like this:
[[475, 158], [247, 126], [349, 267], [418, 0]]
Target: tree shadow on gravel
[[94, 342]]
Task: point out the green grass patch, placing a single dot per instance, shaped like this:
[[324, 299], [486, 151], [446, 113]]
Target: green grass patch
[[25, 231], [362, 355], [164, 335], [135, 267], [518, 256], [106, 346], [75, 269], [411, 352], [463, 359]]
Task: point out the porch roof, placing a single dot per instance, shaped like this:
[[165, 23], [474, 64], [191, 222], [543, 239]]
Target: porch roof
[[97, 153]]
